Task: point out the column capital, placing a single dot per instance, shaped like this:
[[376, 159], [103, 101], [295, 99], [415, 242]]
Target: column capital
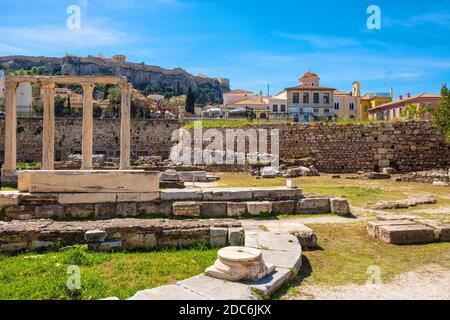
[[87, 85], [11, 84], [48, 85]]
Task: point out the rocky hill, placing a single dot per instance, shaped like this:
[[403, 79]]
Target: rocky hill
[[148, 79]]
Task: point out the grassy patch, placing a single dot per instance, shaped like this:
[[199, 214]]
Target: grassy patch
[[28, 165], [121, 274], [347, 252], [7, 189]]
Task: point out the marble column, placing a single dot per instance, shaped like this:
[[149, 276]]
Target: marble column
[[88, 126], [9, 166], [48, 137], [125, 128]]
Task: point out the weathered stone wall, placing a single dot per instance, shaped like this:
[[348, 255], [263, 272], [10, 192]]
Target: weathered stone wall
[[405, 146], [147, 138]]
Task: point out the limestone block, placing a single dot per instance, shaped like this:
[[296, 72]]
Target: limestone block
[[105, 210], [256, 208], [171, 292], [106, 246], [36, 244], [290, 183], [181, 195], [236, 237], [373, 226], [283, 207], [140, 241], [406, 234], [19, 213], [137, 197], [313, 205], [13, 246], [183, 238], [213, 209], [95, 235], [88, 198], [236, 209], [88, 181], [8, 200], [155, 207], [218, 237], [186, 209], [441, 230], [269, 285], [81, 211], [50, 211], [340, 206], [235, 194], [37, 199], [276, 193], [126, 210]]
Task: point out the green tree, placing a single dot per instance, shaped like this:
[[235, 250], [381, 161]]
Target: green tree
[[60, 102], [115, 99], [441, 114], [190, 101]]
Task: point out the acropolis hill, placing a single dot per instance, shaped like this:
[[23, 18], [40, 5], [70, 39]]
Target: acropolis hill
[[139, 74]]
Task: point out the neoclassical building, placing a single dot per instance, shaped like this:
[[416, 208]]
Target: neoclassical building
[[347, 104], [309, 101]]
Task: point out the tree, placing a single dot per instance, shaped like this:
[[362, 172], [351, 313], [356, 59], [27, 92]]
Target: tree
[[59, 105], [115, 99], [441, 115], [190, 101]]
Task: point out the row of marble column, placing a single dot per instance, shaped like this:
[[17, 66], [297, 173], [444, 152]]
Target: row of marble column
[[48, 134]]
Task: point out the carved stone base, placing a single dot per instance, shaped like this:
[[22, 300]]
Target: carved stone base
[[239, 263]]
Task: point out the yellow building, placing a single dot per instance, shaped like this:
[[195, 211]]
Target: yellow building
[[372, 100]]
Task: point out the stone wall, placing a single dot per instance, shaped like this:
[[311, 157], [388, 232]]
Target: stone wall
[[147, 138], [405, 146]]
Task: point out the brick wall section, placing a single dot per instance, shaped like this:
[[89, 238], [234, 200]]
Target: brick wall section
[[405, 146], [147, 138]]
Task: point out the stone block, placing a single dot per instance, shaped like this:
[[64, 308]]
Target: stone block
[[236, 209], [270, 284], [183, 238], [95, 235], [19, 213], [373, 226], [105, 210], [81, 211], [217, 289], [378, 176], [213, 209], [54, 211], [87, 198], [281, 259], [181, 195], [37, 199], [340, 206], [36, 244], [88, 181], [140, 241], [313, 205], [236, 237], [126, 210], [273, 241], [384, 163], [406, 234], [283, 207], [137, 197], [110, 245], [276, 193], [186, 209], [256, 208], [8, 199], [156, 207], [172, 292], [441, 230], [235, 194], [14, 246], [290, 183], [218, 237]]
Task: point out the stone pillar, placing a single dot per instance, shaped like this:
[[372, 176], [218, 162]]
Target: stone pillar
[[125, 128], [48, 137], [88, 126], [181, 111], [9, 166]]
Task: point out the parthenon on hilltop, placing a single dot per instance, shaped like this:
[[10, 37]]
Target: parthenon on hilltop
[[48, 84]]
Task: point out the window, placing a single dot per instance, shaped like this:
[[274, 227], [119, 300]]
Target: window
[[326, 110], [316, 110], [296, 97], [351, 105], [306, 97], [336, 106], [326, 98], [316, 98], [275, 108], [283, 108]]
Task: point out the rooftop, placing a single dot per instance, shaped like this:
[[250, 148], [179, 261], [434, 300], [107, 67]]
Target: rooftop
[[407, 100]]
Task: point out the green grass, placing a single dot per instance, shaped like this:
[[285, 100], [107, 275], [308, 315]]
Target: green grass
[[122, 274], [28, 166], [347, 251], [7, 189]]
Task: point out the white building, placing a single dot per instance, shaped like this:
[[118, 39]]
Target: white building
[[278, 104], [24, 96]]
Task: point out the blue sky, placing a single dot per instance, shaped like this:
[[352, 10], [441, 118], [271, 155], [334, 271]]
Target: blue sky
[[254, 43]]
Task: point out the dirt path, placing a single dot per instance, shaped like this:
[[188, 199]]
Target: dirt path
[[431, 282]]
